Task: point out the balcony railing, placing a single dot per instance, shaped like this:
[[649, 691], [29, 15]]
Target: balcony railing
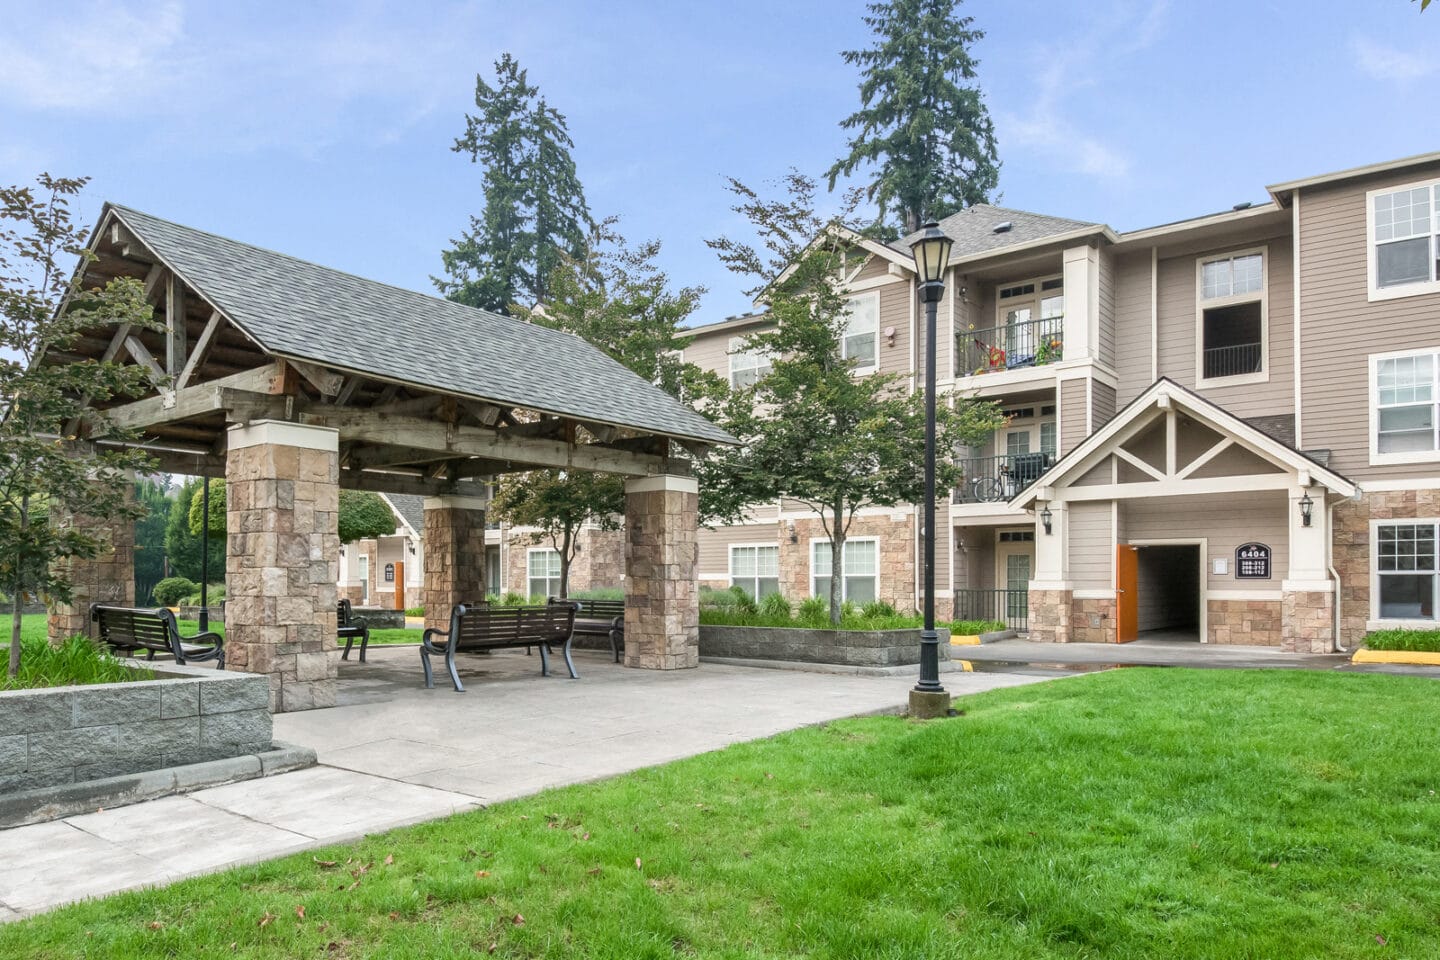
[[993, 479], [1033, 343], [1011, 607], [1232, 361]]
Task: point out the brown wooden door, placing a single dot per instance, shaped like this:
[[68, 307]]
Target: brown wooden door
[[1127, 599]]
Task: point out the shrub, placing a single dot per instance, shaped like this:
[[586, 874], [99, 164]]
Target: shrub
[[1412, 641], [599, 593], [743, 601], [172, 590], [418, 611], [877, 608], [716, 599], [513, 599], [971, 628], [775, 605], [215, 594], [813, 609], [78, 660]]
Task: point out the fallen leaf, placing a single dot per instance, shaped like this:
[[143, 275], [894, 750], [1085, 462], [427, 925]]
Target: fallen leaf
[[353, 885], [389, 859], [482, 873], [594, 871], [394, 915], [518, 920], [266, 920], [586, 837], [523, 817], [1381, 940], [322, 927], [156, 925], [300, 911], [325, 864], [638, 864], [769, 776], [493, 947], [1274, 866]]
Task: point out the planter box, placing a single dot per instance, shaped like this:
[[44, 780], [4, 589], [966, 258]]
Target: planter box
[[64, 735], [975, 639], [381, 618], [1417, 658], [856, 648]]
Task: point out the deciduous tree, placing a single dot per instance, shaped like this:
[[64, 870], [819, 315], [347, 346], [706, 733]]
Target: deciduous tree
[[363, 515]]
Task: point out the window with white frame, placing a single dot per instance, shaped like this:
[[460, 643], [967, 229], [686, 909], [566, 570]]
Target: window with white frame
[[1404, 240], [1230, 324], [544, 572], [1403, 396], [1405, 571], [861, 341], [755, 569], [860, 576], [746, 366], [1047, 437]]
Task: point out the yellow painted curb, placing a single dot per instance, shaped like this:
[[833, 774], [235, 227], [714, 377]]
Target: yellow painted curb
[[966, 665], [965, 640], [1417, 658]]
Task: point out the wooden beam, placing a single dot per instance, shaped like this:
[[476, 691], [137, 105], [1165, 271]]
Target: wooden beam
[[197, 355], [152, 282], [348, 390], [192, 401], [175, 333], [486, 413], [318, 377], [406, 484], [140, 355]]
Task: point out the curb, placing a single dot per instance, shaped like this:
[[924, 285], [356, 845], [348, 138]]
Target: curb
[[1418, 658], [68, 799]]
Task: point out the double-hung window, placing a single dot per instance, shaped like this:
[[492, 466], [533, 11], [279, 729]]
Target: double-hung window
[[1230, 321], [1404, 391], [861, 570], [861, 340], [1405, 570], [746, 366], [544, 570], [1404, 227], [755, 569]]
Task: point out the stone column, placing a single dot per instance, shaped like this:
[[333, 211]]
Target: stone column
[[454, 556], [1307, 613], [282, 514], [108, 578], [662, 609]]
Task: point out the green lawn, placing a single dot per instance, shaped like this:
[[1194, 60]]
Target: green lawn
[[1130, 814], [33, 625]]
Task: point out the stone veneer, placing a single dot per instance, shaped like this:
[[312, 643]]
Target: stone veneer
[[282, 509], [897, 558], [1307, 621], [1351, 548], [600, 564], [1050, 612], [662, 611], [1092, 620], [108, 578], [1254, 622], [454, 556]]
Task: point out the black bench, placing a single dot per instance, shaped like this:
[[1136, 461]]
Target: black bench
[[348, 627], [155, 631], [599, 618], [483, 627]]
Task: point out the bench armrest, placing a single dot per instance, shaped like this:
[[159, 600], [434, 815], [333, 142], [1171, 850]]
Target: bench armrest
[[434, 632]]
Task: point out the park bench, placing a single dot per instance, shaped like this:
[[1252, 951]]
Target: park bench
[[483, 627], [348, 627], [599, 618], [155, 631]]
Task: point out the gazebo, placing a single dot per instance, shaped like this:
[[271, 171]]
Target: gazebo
[[292, 381]]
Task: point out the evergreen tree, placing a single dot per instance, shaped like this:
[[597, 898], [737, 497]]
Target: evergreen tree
[[535, 212], [922, 124], [182, 546], [150, 535]]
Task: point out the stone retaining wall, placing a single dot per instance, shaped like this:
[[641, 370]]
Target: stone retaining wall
[[189, 714], [857, 648]]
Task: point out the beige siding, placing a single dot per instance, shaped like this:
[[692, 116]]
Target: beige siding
[[711, 351], [1131, 321], [1341, 328], [715, 545], [1092, 545], [974, 558], [1225, 521], [1102, 401], [895, 312], [875, 268], [1074, 414], [1108, 299]]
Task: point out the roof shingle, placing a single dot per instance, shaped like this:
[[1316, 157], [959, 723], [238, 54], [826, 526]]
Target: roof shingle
[[973, 229]]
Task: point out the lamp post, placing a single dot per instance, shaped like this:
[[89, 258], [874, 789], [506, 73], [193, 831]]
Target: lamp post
[[205, 556], [932, 253]]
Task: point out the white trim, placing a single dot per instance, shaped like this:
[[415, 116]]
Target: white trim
[[1375, 621], [897, 513], [1385, 166], [284, 434], [455, 503], [874, 282], [1406, 483], [1204, 544], [757, 545], [863, 369], [529, 553], [1094, 594], [1195, 223], [1247, 595], [1416, 456], [735, 347], [1295, 319], [810, 564], [1154, 314], [664, 481], [1374, 291], [1202, 303]]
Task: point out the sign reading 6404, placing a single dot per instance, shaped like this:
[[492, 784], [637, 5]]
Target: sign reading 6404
[[1252, 561]]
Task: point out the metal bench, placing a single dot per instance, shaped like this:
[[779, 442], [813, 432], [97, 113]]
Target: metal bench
[[348, 627], [483, 627], [155, 631], [599, 618]]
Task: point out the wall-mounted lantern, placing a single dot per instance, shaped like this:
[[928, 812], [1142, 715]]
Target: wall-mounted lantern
[[1306, 507], [1045, 517]]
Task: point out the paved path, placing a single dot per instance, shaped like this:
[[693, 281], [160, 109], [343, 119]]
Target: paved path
[[393, 753]]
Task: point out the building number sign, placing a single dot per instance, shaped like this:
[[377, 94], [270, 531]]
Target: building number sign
[[390, 572], [1252, 561]]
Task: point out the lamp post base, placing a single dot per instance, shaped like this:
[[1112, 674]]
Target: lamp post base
[[928, 705]]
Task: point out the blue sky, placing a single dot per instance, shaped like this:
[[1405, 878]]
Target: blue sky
[[323, 129]]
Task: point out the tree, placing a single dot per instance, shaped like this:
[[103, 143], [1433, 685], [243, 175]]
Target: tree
[[814, 431], [46, 475], [182, 543], [363, 515], [922, 123], [150, 534], [557, 504], [535, 211]]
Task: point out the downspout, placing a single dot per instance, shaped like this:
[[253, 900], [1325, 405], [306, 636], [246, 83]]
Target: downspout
[[1330, 566]]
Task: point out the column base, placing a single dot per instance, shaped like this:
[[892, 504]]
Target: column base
[[929, 705]]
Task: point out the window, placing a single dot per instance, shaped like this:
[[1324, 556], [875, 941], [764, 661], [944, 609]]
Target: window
[[1230, 327], [755, 569], [1032, 322], [1404, 240], [1403, 395], [861, 341], [746, 366], [492, 570], [544, 572], [1047, 438], [1405, 570], [860, 577]]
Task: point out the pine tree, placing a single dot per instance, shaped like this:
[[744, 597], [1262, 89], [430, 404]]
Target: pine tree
[[535, 212], [922, 123]]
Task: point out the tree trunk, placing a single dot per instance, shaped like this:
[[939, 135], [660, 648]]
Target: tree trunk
[[567, 555], [837, 562], [17, 591]]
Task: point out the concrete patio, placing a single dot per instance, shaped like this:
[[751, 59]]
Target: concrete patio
[[392, 753]]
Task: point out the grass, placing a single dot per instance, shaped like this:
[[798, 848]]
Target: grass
[[32, 626], [76, 661], [1130, 814], [1415, 641]]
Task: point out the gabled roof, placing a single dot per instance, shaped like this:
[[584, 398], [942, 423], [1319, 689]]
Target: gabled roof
[[298, 310], [409, 509], [973, 229], [1167, 393]]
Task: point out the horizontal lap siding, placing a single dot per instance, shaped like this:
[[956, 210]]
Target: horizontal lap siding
[[1131, 321], [1225, 521], [1074, 414], [1102, 399], [711, 351], [1341, 328], [895, 312], [1108, 294], [715, 544], [1091, 545]]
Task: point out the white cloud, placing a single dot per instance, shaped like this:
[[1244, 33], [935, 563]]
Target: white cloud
[[1389, 63]]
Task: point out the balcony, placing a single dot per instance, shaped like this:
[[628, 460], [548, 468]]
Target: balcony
[[1031, 343], [996, 479], [1233, 361]]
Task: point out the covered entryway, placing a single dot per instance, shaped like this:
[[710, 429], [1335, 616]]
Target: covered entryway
[[1168, 591]]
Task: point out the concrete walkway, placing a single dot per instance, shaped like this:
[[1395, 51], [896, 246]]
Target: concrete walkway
[[393, 753]]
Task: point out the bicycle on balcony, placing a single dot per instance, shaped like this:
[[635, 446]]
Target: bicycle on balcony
[[1012, 474]]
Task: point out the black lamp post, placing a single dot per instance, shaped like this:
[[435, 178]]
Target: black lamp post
[[205, 556], [932, 253]]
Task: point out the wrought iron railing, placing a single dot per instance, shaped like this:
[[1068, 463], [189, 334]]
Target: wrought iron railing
[[1232, 361], [993, 479], [1032, 343], [1011, 607]]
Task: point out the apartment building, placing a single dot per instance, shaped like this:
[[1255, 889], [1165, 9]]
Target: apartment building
[[1222, 429]]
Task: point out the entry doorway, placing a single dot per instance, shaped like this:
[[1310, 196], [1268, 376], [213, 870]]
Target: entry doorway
[[1160, 592], [1014, 565]]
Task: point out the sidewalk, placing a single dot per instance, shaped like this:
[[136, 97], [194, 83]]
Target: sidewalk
[[393, 753]]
